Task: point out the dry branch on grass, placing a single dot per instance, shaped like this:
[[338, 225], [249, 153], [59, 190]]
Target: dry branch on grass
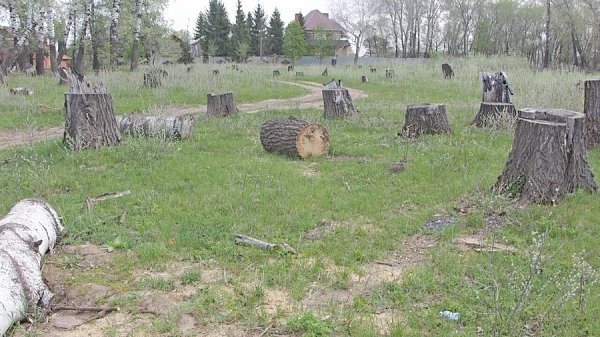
[[89, 202], [239, 238]]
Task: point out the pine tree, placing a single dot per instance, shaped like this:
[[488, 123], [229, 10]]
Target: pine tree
[[240, 38], [249, 25], [200, 29], [217, 29], [258, 31], [275, 33]]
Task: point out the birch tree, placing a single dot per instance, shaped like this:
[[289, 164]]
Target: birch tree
[[51, 40], [62, 45], [356, 17], [86, 23], [41, 39], [136, 35], [114, 35]]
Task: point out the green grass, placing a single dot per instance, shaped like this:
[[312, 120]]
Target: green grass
[[188, 199]]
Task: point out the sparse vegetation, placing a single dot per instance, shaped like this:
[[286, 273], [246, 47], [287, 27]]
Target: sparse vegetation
[[189, 198]]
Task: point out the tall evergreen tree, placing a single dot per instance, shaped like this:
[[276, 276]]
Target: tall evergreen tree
[[249, 25], [200, 28], [240, 34], [217, 29], [259, 31], [275, 33]]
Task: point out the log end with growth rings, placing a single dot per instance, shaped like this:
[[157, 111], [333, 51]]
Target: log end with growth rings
[[312, 141]]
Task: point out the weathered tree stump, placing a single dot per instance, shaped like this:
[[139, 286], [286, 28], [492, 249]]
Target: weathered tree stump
[[495, 87], [27, 232], [294, 137], [167, 127], [337, 100], [591, 109], [389, 73], [63, 76], [89, 117], [299, 74], [276, 73], [290, 68], [447, 70], [325, 72], [548, 157], [153, 77], [489, 112], [426, 118], [373, 70], [364, 79], [21, 91], [221, 105]]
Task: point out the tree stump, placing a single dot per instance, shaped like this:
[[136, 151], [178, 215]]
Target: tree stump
[[495, 87], [221, 105], [389, 73], [426, 118], [168, 127], [89, 118], [325, 72], [548, 157], [27, 232], [294, 137], [153, 77], [447, 70], [591, 109], [490, 112], [337, 101], [364, 79]]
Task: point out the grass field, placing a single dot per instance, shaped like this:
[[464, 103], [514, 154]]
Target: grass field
[[373, 269]]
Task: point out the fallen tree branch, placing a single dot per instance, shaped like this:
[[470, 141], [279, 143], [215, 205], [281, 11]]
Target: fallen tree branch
[[239, 238], [89, 202], [93, 309]]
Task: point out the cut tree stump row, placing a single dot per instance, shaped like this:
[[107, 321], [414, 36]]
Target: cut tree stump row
[[426, 118], [27, 232], [167, 127], [491, 111], [591, 110], [548, 157], [294, 137], [221, 105]]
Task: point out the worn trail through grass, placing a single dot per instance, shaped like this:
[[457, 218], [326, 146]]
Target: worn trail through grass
[[312, 99]]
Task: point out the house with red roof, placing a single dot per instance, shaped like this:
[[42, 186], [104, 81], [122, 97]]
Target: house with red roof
[[317, 23]]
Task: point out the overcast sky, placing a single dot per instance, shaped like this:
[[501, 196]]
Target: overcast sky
[[182, 14]]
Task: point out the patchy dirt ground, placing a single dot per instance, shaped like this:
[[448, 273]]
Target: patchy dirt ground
[[313, 99]]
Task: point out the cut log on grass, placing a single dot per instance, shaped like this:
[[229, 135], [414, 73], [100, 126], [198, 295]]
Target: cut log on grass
[[591, 110], [89, 118], [221, 105], [495, 87], [364, 79], [247, 240], [490, 112], [27, 232], [21, 91], [167, 127], [337, 101], [548, 157], [294, 137], [426, 118]]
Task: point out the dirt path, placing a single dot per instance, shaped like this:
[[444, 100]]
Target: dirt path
[[313, 99]]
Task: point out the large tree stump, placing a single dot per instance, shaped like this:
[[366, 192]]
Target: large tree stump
[[447, 70], [153, 77], [337, 101], [591, 110], [495, 87], [491, 112], [89, 118], [548, 157], [221, 105], [426, 118], [294, 137], [27, 232], [166, 127]]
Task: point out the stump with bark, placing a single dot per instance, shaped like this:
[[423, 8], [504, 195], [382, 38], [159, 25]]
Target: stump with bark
[[337, 101], [294, 137], [364, 79], [153, 77], [447, 70], [27, 232], [426, 118], [21, 91], [591, 110], [167, 127], [63, 76], [489, 112], [548, 157], [389, 73], [495, 87], [89, 117], [221, 105]]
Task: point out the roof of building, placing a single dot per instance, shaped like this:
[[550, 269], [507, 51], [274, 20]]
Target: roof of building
[[315, 19]]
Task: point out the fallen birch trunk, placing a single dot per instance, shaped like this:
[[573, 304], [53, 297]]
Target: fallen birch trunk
[[27, 232], [169, 127]]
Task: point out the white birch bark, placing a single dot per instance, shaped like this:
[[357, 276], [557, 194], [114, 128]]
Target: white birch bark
[[114, 26], [136, 34]]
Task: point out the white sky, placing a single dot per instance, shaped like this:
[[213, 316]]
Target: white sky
[[182, 14]]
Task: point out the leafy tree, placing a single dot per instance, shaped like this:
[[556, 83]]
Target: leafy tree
[[217, 27], [294, 44], [275, 33], [258, 31], [322, 44]]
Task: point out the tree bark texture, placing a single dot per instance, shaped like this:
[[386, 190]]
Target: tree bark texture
[[426, 118], [591, 109], [170, 127], [136, 35], [22, 41], [548, 157], [114, 36], [337, 101], [86, 23], [495, 87], [27, 232], [491, 111], [89, 118], [221, 105], [41, 37], [62, 46], [51, 41], [294, 137]]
